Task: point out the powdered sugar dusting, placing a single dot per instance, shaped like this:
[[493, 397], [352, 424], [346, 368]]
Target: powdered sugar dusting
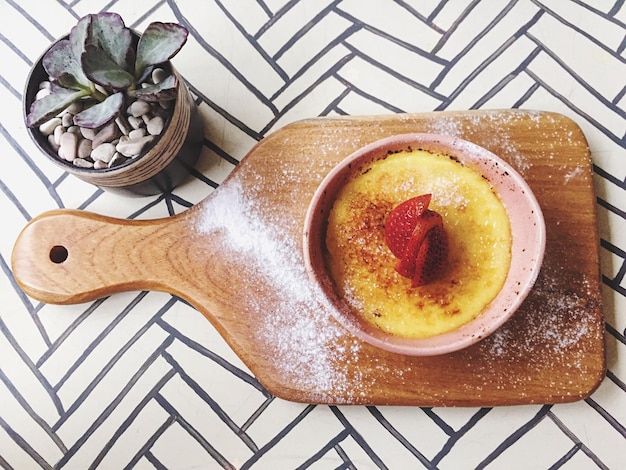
[[499, 139], [309, 349], [557, 325]]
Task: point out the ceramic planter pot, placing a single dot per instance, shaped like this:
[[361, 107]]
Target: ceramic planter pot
[[163, 164]]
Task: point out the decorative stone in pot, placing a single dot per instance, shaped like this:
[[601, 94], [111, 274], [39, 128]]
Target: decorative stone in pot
[[107, 106]]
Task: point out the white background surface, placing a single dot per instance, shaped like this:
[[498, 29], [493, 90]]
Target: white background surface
[[142, 378]]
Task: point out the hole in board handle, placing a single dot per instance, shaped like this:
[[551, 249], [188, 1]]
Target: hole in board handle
[[58, 254]]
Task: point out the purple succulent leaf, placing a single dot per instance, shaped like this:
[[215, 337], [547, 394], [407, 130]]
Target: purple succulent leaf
[[60, 59], [79, 35], [158, 44], [101, 113], [101, 69], [166, 90], [67, 80], [109, 33], [46, 108]]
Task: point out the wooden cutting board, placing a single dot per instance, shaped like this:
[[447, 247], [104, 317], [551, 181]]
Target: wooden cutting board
[[237, 257]]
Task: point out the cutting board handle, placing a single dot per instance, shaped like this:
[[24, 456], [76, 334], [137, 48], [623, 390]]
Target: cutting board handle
[[68, 256]]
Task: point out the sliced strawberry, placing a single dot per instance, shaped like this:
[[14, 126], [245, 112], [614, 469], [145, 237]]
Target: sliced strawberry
[[416, 236], [432, 255], [401, 223], [424, 224]]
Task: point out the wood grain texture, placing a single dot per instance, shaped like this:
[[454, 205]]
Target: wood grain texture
[[237, 257]]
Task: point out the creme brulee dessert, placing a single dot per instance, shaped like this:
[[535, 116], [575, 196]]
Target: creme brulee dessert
[[364, 268]]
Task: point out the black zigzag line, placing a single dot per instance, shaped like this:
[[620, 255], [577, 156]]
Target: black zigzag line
[[592, 91], [99, 338], [337, 41], [457, 22], [23, 443], [323, 77], [111, 363], [456, 436], [576, 440], [281, 73], [357, 436], [306, 28], [132, 416], [265, 8], [610, 17], [506, 80], [515, 436], [217, 409], [145, 450], [275, 17], [210, 50], [240, 374], [32, 413], [426, 20], [485, 63], [615, 424], [333, 443], [399, 437], [193, 432], [110, 408], [32, 20], [278, 437], [25, 301], [390, 37], [31, 366], [32, 165]]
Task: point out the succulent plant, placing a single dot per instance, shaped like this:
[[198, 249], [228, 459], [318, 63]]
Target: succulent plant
[[99, 62]]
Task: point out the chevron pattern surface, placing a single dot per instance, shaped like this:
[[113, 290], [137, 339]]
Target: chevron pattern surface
[[143, 380]]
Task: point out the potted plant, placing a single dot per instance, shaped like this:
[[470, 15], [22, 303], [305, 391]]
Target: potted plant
[[106, 104]]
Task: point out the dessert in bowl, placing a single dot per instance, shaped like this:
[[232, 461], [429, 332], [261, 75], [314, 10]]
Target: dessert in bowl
[[424, 243]]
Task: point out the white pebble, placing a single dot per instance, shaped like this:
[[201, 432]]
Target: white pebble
[[106, 134], [62, 156], [55, 146], [88, 133], [123, 125], [48, 127], [132, 148], [58, 132], [67, 119], [82, 163], [69, 145], [42, 93], [155, 125], [100, 165], [137, 133], [158, 75], [139, 108], [135, 122], [116, 160], [84, 148], [103, 152]]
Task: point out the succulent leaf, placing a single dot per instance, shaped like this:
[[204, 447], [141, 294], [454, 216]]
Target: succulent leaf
[[46, 108], [78, 36], [101, 69], [67, 80], [101, 113], [158, 44], [100, 50], [163, 91], [109, 33], [60, 59]]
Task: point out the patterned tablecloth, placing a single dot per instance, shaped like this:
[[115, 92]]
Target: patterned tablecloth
[[143, 379]]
